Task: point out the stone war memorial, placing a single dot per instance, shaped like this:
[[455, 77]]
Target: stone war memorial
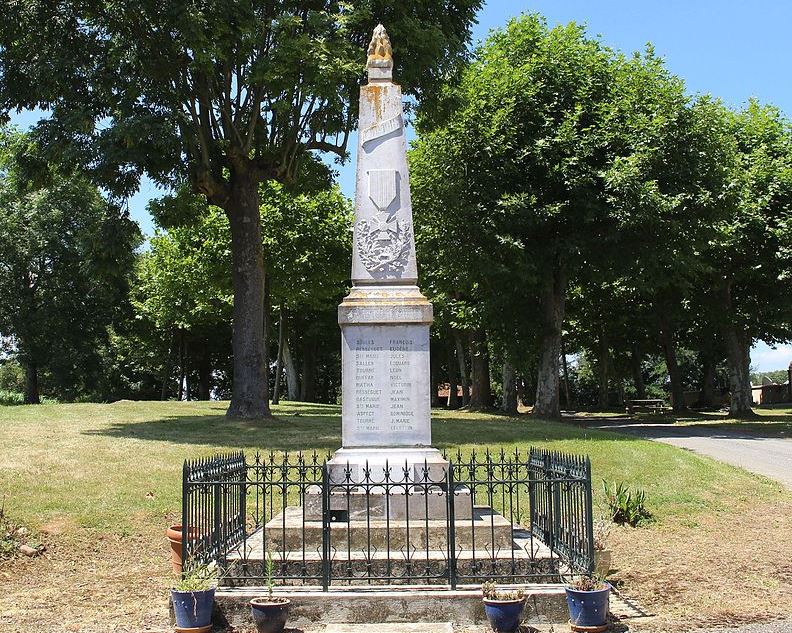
[[349, 535], [385, 319]]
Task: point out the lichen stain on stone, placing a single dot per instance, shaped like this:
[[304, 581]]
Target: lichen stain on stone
[[376, 96]]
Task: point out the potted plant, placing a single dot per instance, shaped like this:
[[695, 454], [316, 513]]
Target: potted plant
[[270, 613], [602, 555], [193, 599], [503, 608], [587, 600]]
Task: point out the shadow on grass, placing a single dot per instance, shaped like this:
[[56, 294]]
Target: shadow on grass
[[318, 427], [281, 433]]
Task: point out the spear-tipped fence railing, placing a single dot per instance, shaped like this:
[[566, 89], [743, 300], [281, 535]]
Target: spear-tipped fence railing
[[509, 516]]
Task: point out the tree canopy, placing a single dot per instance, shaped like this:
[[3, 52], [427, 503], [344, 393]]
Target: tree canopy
[[220, 96], [65, 255]]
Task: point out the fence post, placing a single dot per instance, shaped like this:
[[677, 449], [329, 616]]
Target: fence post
[[243, 484], [217, 534], [589, 517], [325, 527], [185, 517], [550, 501], [452, 563], [532, 510]]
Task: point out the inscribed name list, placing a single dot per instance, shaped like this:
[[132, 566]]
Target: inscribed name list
[[384, 401]]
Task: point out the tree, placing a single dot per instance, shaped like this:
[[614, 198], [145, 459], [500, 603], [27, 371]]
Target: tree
[[184, 289], [65, 253], [222, 96], [184, 282], [666, 185], [751, 256], [511, 181]]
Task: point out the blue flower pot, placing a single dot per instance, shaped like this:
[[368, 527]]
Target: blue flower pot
[[504, 615], [193, 609], [269, 617], [588, 608]]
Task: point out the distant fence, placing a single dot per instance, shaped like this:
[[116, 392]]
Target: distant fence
[[493, 515]]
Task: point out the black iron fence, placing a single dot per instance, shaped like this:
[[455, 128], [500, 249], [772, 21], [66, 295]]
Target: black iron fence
[[505, 516]]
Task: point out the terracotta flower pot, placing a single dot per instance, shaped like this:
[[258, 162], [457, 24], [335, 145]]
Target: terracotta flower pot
[[174, 534]]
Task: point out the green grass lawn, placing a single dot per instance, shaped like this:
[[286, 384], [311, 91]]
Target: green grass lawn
[[111, 466]]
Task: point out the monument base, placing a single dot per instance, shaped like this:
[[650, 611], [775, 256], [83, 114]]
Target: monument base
[[417, 465]]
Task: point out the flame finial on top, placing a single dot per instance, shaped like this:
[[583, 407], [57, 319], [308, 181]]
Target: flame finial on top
[[380, 54]]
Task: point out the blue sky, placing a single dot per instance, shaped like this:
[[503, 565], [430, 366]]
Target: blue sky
[[732, 49]]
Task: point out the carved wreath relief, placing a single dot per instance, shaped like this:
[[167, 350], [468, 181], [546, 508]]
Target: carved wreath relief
[[383, 242]]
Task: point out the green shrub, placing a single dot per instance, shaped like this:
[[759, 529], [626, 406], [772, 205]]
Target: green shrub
[[11, 397], [12, 375], [624, 505]]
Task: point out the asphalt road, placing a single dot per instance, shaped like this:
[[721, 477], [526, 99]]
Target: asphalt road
[[768, 456]]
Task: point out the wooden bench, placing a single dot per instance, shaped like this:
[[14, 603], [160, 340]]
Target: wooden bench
[[648, 405]]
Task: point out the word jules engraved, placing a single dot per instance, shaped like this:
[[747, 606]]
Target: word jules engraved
[[383, 241], [383, 384]]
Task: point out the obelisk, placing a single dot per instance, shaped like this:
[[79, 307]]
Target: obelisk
[[385, 320]]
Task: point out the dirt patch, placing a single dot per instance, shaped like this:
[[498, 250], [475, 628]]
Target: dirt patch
[[58, 526], [723, 569], [85, 583]]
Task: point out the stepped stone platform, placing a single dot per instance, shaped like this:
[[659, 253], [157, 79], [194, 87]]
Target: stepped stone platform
[[291, 530], [354, 560]]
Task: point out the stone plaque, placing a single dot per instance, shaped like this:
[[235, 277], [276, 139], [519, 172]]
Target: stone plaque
[[386, 385]]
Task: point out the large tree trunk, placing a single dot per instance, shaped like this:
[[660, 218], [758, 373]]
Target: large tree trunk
[[565, 368], [267, 323], [292, 379], [669, 351], [182, 368], [547, 382], [453, 373], [166, 371], [249, 397], [789, 383], [279, 361], [31, 383], [738, 347], [707, 391], [738, 358], [480, 394], [604, 354], [204, 373], [509, 403], [308, 387], [463, 374], [637, 372], [434, 372]]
